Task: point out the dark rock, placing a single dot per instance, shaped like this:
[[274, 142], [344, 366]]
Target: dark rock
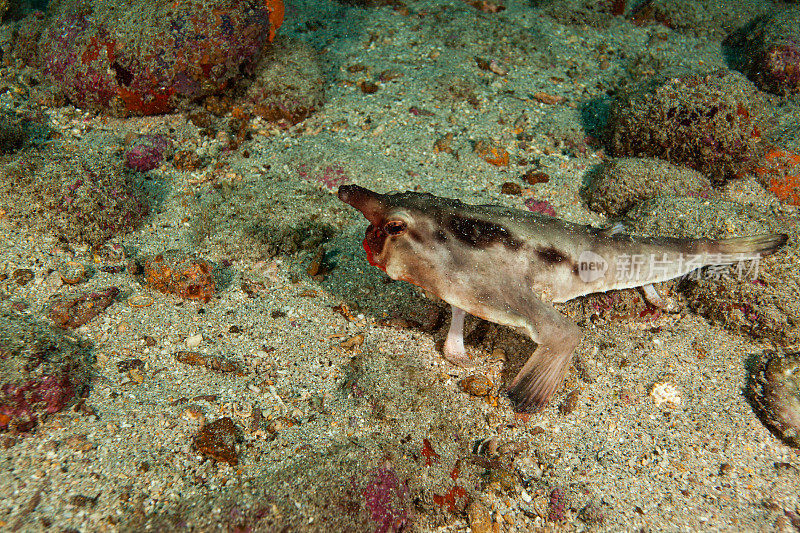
[[72, 311], [218, 440]]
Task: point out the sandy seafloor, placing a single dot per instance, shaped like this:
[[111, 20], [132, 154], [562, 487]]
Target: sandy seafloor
[[341, 417]]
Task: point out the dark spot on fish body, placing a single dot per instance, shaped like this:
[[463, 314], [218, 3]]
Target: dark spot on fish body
[[440, 236], [550, 255], [480, 233]]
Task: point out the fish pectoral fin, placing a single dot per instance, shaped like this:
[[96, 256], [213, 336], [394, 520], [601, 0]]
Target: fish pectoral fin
[[453, 349], [652, 296], [557, 339]]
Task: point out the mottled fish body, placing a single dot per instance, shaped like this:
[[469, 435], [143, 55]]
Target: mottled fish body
[[507, 266]]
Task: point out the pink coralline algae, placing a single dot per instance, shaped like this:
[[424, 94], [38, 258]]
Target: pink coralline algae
[[331, 176], [768, 51], [21, 405], [144, 58], [385, 500], [557, 506], [543, 207], [42, 370], [146, 153], [711, 121]]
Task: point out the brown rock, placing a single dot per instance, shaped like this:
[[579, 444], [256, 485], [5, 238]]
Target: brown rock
[[74, 311], [217, 364], [477, 385], [570, 402], [491, 153], [511, 188], [218, 440], [176, 272], [480, 518]]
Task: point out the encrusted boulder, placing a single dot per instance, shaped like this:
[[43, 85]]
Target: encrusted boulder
[[144, 58]]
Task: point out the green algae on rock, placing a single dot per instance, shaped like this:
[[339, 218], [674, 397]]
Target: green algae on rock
[[79, 191], [42, 370], [775, 392], [624, 182]]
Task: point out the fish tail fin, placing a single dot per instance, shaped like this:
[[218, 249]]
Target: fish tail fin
[[753, 245]]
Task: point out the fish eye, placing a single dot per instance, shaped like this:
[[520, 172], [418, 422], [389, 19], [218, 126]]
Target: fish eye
[[395, 227]]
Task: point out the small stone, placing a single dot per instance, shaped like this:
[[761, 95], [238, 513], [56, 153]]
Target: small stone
[[511, 188], [532, 177], [476, 385], [368, 87], [775, 390], [140, 300], [79, 500], [278, 424], [352, 342], [665, 393], [194, 341], [147, 152], [442, 144], [570, 403], [194, 413], [491, 153], [22, 276], [74, 311], [218, 441], [187, 160], [480, 517], [216, 364], [136, 376], [176, 272]]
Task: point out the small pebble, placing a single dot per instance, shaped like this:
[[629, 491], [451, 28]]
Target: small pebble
[[139, 300], [194, 341], [76, 310], [511, 188], [352, 342], [665, 393], [22, 276], [72, 272], [477, 385], [218, 441], [480, 517], [570, 402]]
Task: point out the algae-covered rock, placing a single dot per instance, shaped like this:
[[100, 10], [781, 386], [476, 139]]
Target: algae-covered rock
[[12, 134], [761, 298], [622, 183], [42, 370], [79, 191], [288, 84], [712, 122], [143, 58], [774, 389], [768, 51]]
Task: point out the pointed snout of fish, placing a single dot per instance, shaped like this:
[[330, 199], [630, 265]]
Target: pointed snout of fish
[[370, 203]]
